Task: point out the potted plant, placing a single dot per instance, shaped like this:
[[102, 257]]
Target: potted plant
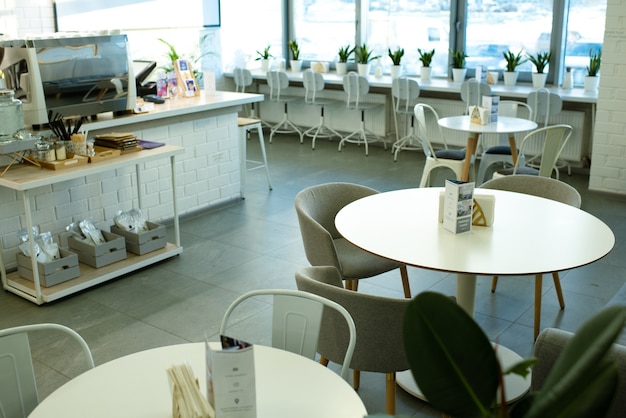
[[426, 58], [194, 56], [264, 57], [295, 63], [512, 62], [396, 59], [458, 65], [343, 54], [540, 61], [592, 79], [364, 56], [455, 366]]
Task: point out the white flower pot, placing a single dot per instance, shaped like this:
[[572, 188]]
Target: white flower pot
[[363, 69], [296, 65], [510, 78], [395, 70], [342, 68], [265, 65], [539, 80], [425, 73], [458, 74], [591, 83]]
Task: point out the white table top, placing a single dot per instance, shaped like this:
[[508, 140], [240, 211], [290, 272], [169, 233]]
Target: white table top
[[288, 385], [505, 125], [530, 235]]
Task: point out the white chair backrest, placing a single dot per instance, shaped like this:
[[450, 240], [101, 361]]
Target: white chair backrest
[[277, 81], [313, 82], [18, 393], [555, 138], [472, 92], [544, 104], [243, 79], [296, 321], [427, 117], [355, 87], [405, 92], [514, 109]]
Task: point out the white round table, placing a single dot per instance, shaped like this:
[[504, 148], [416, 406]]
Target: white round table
[[134, 386], [530, 235], [504, 125]]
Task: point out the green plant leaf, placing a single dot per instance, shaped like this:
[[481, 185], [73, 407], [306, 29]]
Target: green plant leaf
[[521, 368], [451, 358], [580, 361]]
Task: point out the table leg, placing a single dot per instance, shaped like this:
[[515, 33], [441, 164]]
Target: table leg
[[465, 291], [513, 148], [470, 150]]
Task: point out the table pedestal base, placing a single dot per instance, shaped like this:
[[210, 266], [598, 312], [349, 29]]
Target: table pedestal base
[[465, 292]]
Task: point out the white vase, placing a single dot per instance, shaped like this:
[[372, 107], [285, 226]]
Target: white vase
[[395, 70], [342, 68], [510, 78], [363, 69], [458, 74], [539, 80], [296, 65], [265, 65], [425, 73], [591, 83]]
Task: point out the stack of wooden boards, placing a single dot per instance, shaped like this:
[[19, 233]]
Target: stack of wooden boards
[[123, 141]]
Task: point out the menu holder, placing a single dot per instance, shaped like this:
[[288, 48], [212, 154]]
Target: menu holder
[[457, 206], [482, 212], [231, 387]]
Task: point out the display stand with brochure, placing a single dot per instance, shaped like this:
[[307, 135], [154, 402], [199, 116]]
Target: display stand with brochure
[[458, 205]]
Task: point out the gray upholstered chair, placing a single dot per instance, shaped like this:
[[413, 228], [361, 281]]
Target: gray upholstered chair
[[548, 188], [317, 207], [549, 345], [379, 345]]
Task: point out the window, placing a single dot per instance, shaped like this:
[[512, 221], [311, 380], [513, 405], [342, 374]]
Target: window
[[249, 26], [321, 27], [585, 33]]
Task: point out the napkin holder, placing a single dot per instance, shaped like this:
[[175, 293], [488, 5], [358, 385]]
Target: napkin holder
[[483, 209], [231, 387], [479, 115]]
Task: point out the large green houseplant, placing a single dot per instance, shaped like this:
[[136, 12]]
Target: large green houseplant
[[455, 366]]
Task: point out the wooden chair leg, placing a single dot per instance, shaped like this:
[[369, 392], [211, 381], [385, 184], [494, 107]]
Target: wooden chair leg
[[348, 284], [538, 288], [356, 379], [324, 361], [557, 287], [494, 283], [390, 403], [355, 285], [405, 282]]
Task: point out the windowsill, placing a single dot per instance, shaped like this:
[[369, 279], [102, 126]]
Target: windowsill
[[521, 90]]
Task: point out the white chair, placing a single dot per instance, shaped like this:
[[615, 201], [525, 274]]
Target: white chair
[[546, 104], [296, 322], [18, 393], [243, 80], [404, 94], [548, 144], [548, 188], [278, 82], [313, 84], [501, 153], [245, 126], [428, 128], [356, 88], [472, 92]]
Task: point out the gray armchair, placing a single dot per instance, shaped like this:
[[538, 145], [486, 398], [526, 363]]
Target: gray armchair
[[549, 345], [317, 207], [379, 344]]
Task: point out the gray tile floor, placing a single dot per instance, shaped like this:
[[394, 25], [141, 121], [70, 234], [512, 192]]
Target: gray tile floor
[[256, 244]]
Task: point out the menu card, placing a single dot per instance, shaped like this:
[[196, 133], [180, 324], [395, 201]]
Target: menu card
[[458, 205], [231, 384]]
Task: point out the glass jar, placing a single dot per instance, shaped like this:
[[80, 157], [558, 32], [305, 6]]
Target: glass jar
[[44, 151], [59, 149], [11, 116]]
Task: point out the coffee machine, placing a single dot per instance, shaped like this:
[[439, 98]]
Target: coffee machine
[[69, 75]]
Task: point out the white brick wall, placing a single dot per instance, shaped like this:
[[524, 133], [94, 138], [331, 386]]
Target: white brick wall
[[608, 163]]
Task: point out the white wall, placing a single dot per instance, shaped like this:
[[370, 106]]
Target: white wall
[[608, 160], [31, 16]]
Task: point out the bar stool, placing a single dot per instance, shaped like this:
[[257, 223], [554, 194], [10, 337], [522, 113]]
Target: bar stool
[[243, 79], [245, 126]]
